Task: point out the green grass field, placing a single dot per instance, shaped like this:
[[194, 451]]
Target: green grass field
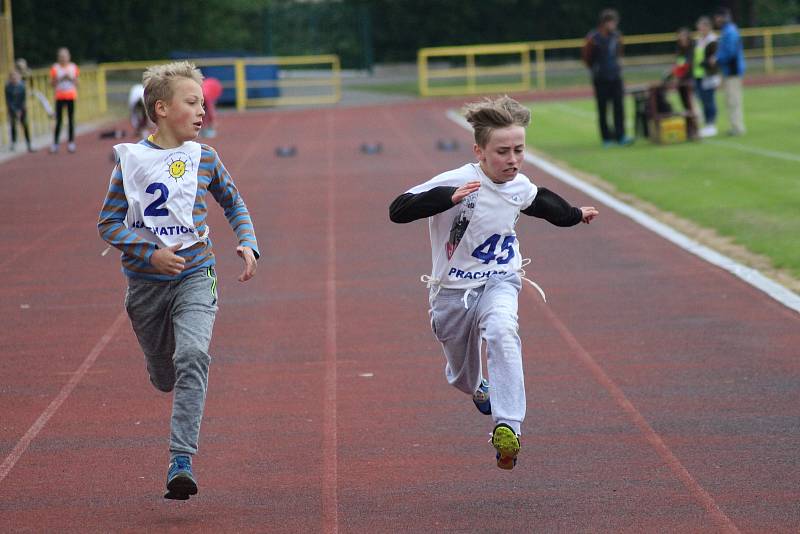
[[746, 188]]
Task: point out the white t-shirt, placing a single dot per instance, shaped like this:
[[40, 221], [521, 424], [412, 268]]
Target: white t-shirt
[[135, 96], [476, 239]]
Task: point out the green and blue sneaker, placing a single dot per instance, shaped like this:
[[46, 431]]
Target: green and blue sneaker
[[481, 398], [506, 443], [180, 479]]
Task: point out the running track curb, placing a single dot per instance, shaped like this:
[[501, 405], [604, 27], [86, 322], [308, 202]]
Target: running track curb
[[751, 276]]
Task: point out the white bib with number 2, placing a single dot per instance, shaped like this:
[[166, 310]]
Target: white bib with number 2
[[161, 188]]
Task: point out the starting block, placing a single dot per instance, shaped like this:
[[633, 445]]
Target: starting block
[[371, 148], [112, 134], [447, 145], [286, 151]]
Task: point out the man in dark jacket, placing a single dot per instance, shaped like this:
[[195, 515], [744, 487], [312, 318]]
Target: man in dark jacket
[[601, 53]]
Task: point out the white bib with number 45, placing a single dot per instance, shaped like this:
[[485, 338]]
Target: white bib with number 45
[[489, 245], [161, 188]]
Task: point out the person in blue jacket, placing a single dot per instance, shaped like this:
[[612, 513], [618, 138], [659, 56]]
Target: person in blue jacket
[[730, 60]]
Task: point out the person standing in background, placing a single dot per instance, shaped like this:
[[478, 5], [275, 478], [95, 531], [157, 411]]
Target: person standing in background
[[705, 75], [17, 108], [681, 71], [25, 72], [730, 59], [64, 77], [212, 90], [601, 53], [138, 114]]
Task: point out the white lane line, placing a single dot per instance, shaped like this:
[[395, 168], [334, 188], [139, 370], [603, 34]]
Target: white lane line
[[721, 520], [774, 154], [764, 152], [572, 110], [330, 476], [749, 275], [22, 445]]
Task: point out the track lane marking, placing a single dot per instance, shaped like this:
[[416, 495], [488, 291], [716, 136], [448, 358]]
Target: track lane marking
[[30, 246], [330, 505], [774, 154], [721, 520], [22, 445]]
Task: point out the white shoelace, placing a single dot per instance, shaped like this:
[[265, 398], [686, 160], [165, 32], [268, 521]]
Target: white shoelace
[[431, 282], [526, 262]]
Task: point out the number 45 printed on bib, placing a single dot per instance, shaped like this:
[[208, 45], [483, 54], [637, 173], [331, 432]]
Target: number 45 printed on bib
[[488, 250]]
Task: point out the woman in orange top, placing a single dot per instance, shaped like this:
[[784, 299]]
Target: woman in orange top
[[64, 77]]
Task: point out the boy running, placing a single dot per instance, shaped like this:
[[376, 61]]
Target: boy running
[[477, 266], [155, 213]]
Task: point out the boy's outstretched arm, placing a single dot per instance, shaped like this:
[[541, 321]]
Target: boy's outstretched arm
[[410, 206], [555, 210], [227, 195]]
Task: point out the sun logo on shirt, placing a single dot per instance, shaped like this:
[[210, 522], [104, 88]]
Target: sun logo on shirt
[[177, 165]]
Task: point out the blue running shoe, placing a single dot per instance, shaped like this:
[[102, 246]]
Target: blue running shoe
[[506, 443], [626, 141], [481, 398], [180, 479]]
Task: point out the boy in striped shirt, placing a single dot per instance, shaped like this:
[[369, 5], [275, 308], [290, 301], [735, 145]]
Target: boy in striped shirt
[[155, 213]]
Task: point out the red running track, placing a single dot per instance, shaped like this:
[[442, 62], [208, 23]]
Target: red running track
[[663, 393]]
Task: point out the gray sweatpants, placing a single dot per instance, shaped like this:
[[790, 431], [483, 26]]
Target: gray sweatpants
[[462, 320], [173, 321]]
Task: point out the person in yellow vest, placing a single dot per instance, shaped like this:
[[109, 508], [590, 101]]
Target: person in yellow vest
[[64, 77], [705, 75]]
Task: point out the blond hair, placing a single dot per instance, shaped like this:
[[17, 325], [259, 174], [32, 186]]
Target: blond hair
[[492, 113], [158, 79]]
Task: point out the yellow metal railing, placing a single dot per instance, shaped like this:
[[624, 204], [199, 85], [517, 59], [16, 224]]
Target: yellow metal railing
[[517, 75], [472, 69], [103, 90], [6, 60], [6, 38], [300, 79], [87, 108]]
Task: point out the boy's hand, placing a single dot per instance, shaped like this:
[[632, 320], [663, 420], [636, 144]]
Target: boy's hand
[[246, 253], [589, 214], [464, 191], [166, 261]]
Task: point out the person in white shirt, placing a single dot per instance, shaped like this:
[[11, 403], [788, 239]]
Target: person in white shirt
[[477, 271], [64, 78]]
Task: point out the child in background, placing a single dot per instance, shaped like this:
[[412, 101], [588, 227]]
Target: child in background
[[64, 77], [155, 212], [17, 108], [212, 90], [22, 67], [706, 75], [138, 116], [477, 265]]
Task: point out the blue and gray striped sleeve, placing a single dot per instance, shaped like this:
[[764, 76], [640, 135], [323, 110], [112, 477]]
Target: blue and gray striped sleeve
[[111, 223], [227, 195]]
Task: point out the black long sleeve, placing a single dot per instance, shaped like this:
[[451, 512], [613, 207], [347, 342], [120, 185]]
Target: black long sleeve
[[554, 209], [409, 207]]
